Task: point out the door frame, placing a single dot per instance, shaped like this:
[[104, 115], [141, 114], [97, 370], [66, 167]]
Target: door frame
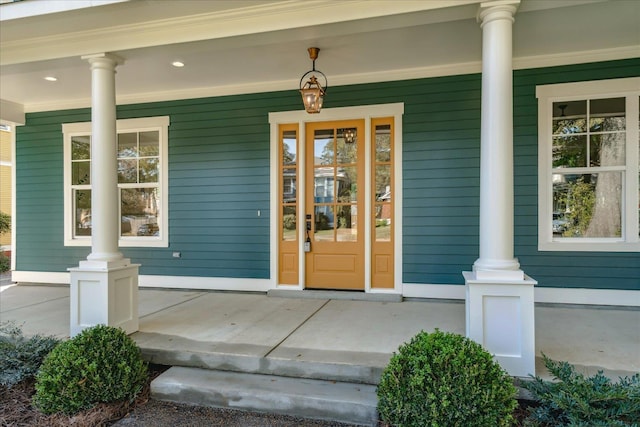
[[301, 117]]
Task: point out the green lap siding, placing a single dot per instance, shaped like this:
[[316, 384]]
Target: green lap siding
[[219, 179]]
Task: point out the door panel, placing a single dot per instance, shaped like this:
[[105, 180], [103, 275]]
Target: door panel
[[335, 171]]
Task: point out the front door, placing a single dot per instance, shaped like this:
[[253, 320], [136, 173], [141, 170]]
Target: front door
[[334, 205]]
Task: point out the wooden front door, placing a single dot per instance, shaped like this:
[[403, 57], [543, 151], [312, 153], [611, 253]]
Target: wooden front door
[[334, 205]]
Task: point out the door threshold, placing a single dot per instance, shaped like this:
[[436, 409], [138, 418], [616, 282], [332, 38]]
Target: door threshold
[[330, 294]]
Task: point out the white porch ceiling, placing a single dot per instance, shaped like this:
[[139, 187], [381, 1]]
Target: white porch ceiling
[[260, 45]]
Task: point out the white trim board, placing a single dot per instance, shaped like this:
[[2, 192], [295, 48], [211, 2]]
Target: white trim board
[[611, 297]]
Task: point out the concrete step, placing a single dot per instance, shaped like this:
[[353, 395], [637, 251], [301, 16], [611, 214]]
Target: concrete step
[[300, 397]]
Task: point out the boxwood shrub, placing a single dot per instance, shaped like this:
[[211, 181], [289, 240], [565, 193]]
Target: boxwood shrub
[[445, 379], [101, 364]]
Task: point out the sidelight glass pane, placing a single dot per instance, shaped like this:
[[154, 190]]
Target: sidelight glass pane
[[323, 147], [82, 201], [81, 147], [289, 148], [289, 221], [127, 144], [346, 225], [383, 143], [587, 205], [346, 183], [140, 208], [569, 151], [324, 221], [383, 182], [383, 222], [289, 186]]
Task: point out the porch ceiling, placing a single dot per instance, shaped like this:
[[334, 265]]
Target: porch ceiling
[[260, 45]]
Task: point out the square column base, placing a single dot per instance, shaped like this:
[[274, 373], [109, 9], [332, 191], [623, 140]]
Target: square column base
[[104, 296], [500, 317]]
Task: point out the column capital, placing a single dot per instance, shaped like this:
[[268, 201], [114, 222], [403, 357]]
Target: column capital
[[497, 9], [104, 58]]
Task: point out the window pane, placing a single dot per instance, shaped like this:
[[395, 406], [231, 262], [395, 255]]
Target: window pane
[[347, 177], [323, 230], [347, 230], [81, 173], [383, 222], [149, 170], [569, 151], [289, 222], [127, 171], [569, 117], [383, 143], [140, 207], [587, 205], [607, 115], [323, 149], [127, 145], [607, 149], [289, 148], [150, 143], [347, 146], [82, 200], [80, 148]]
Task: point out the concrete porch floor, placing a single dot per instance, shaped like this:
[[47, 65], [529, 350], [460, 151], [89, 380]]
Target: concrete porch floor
[[254, 332]]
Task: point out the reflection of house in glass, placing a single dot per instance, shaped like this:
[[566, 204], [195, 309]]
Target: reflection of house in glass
[[383, 211]]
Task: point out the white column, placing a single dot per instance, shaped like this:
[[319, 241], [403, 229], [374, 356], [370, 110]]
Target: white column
[[104, 287], [499, 296], [104, 168]]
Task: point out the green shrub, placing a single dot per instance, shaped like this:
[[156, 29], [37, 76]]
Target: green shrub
[[444, 379], [20, 357], [5, 263], [574, 400], [101, 364]]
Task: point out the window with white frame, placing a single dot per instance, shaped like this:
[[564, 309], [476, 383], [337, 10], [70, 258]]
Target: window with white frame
[[141, 150], [588, 168]]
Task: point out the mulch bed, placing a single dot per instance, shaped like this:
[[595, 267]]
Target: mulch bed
[[16, 409]]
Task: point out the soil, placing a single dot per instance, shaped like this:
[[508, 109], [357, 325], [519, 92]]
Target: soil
[[16, 411]]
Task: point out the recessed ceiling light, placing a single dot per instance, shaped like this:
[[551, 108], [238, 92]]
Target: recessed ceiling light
[[51, 79], [178, 64]]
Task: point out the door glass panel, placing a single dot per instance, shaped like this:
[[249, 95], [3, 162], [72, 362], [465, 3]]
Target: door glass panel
[[323, 185], [347, 146], [346, 183], [323, 147], [346, 224], [289, 223], [289, 155], [324, 221]]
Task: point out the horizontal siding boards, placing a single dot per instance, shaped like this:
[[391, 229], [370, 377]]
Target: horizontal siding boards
[[560, 269], [219, 180]]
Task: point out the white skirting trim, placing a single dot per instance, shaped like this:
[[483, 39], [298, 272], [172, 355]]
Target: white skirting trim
[[544, 295], [409, 290]]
